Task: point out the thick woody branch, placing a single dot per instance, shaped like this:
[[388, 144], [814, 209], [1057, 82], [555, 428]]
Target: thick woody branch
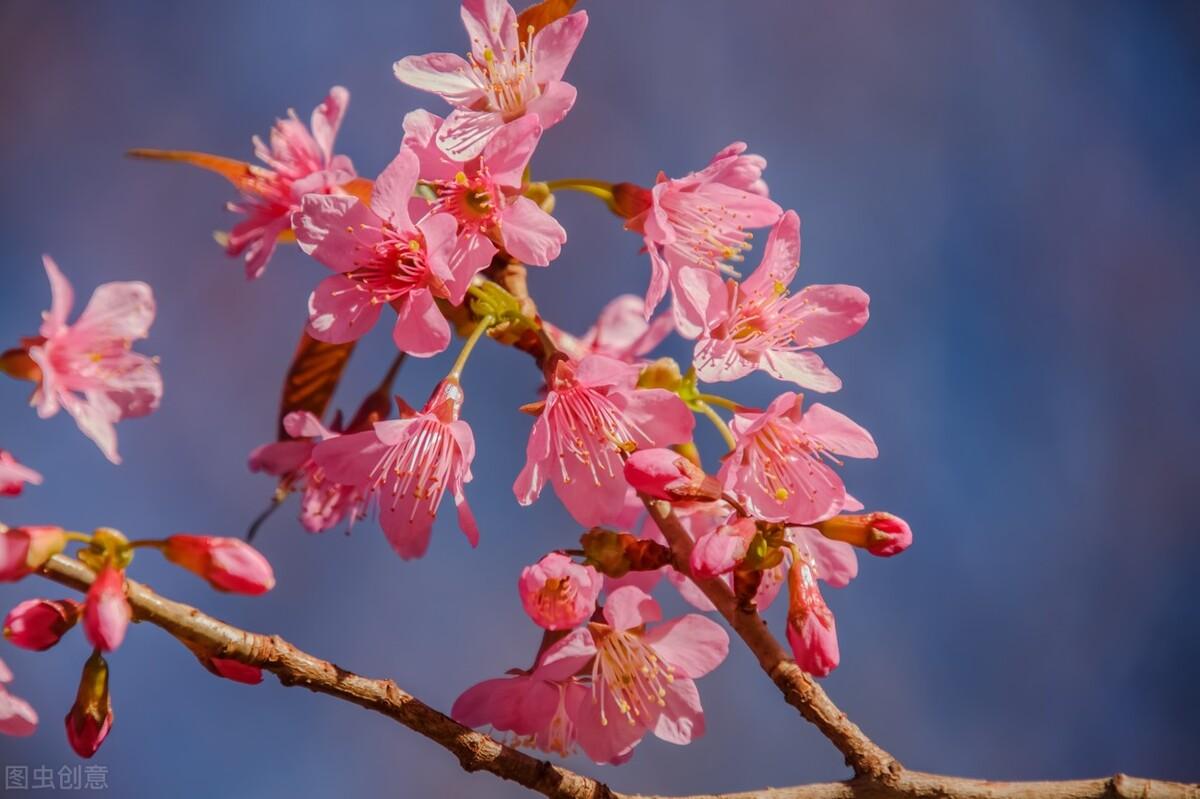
[[800, 690], [478, 752]]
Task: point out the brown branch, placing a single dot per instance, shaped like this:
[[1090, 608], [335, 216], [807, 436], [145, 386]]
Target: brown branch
[[478, 752], [863, 755]]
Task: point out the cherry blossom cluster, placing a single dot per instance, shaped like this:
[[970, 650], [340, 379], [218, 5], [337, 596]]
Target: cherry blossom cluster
[[613, 431]]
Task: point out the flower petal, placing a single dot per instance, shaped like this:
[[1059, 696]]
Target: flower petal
[[420, 329], [340, 310], [530, 234], [693, 644], [444, 74], [629, 607]]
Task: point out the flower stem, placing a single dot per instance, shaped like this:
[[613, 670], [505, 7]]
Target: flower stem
[[461, 361], [146, 544], [719, 423], [597, 188], [720, 402]]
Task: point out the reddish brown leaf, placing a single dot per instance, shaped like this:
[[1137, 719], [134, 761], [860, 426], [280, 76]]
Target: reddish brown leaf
[[313, 377], [236, 172], [539, 15]]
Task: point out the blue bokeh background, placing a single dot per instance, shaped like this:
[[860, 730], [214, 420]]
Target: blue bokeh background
[[1016, 186]]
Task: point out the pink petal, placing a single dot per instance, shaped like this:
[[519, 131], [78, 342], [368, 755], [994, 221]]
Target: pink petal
[[341, 310], [509, 150], [350, 459], [838, 432], [530, 234], [393, 189], [466, 519], [804, 368], [629, 607], [693, 644], [280, 457], [335, 229], [490, 24], [552, 104], [836, 562], [831, 313], [444, 74], [95, 418], [554, 45], [327, 118], [420, 133], [117, 310], [465, 133], [781, 257], [700, 300], [492, 702], [681, 721], [420, 329], [469, 255], [406, 522], [17, 717], [61, 298], [660, 414], [610, 742], [303, 424], [718, 360], [567, 656], [529, 483]]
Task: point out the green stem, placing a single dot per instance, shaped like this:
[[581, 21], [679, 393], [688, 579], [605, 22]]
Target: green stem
[[147, 544], [719, 423], [461, 361], [600, 189], [720, 402]]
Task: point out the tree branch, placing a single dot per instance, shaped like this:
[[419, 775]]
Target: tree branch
[[862, 754], [478, 752]]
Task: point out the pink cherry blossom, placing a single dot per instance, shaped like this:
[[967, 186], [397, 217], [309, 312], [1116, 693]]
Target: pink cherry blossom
[[17, 717], [642, 678], [298, 162], [501, 79], [764, 327], [696, 227], [559, 593], [14, 475], [538, 708], [38, 624], [25, 549], [592, 413], [383, 257], [106, 611], [228, 564], [88, 367], [406, 465], [620, 332], [324, 503], [778, 468], [811, 630], [484, 193]]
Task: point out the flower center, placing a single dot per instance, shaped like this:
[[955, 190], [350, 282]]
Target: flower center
[[506, 79], [396, 265], [629, 669], [708, 233], [474, 202], [590, 429], [418, 467], [783, 460]]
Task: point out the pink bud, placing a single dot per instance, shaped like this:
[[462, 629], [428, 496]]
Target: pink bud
[[229, 564], [38, 624], [879, 533], [665, 474], [810, 627], [106, 612], [559, 593], [236, 671], [721, 550], [91, 716], [23, 550]]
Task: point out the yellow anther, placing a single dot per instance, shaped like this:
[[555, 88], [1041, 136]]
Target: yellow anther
[[780, 289], [414, 245], [460, 178], [488, 55], [781, 494]]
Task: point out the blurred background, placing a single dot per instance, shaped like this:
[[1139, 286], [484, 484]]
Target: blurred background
[[1016, 186]]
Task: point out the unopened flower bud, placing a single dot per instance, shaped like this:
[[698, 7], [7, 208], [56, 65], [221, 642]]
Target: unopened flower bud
[[106, 611], [616, 554], [811, 631], [24, 550], [38, 624], [720, 551], [16, 363], [228, 564], [879, 533], [629, 200], [559, 593], [91, 716], [665, 474]]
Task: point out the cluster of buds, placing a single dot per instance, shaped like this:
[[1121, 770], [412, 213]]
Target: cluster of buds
[[39, 624]]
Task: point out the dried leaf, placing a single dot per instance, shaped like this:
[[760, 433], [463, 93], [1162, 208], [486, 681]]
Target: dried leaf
[[313, 377], [539, 15]]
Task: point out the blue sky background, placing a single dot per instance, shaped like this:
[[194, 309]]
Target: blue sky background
[[1016, 186]]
